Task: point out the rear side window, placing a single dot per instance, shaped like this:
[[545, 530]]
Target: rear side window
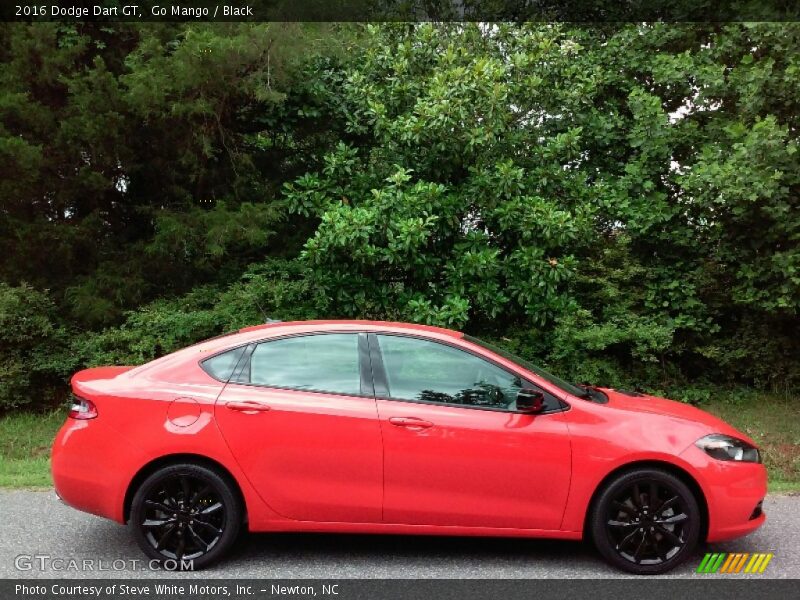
[[322, 363], [222, 365]]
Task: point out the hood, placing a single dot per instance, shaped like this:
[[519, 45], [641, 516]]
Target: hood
[[642, 403]]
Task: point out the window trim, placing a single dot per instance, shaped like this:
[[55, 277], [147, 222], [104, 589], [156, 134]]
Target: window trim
[[239, 372], [380, 381], [372, 369], [361, 352]]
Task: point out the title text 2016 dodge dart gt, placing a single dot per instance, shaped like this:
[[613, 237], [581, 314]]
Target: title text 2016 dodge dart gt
[[356, 426]]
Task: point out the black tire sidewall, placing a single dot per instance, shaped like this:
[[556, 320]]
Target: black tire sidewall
[[606, 546], [221, 485]]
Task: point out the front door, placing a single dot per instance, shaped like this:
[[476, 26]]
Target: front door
[[303, 427], [457, 452]]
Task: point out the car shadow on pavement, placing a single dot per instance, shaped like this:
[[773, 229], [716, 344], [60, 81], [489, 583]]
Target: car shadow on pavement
[[371, 555]]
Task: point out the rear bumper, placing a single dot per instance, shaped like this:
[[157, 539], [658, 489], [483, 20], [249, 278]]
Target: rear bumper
[[87, 471], [733, 492]]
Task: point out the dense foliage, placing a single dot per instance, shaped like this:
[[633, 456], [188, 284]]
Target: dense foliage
[[619, 202]]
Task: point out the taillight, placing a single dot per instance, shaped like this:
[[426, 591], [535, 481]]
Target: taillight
[[82, 409]]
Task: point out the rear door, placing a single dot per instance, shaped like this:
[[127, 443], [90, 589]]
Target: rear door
[[301, 420]]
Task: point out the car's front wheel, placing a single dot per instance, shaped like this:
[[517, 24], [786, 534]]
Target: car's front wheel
[[186, 516], [646, 521]]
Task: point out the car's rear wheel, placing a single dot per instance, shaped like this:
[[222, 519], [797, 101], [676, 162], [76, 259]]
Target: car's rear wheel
[[646, 521], [186, 516]]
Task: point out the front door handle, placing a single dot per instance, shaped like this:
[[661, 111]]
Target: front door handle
[[248, 407], [410, 422]]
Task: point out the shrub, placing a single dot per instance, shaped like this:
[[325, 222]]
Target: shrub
[[33, 347]]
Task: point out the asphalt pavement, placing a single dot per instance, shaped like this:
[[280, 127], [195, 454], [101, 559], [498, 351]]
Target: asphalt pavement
[[41, 537]]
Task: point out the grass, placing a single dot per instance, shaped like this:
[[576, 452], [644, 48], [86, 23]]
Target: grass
[[25, 440], [771, 420]]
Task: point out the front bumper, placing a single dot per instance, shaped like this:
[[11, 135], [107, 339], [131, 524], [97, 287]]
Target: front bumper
[[734, 493]]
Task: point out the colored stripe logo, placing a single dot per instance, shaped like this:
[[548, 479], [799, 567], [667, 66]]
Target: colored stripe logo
[[735, 562]]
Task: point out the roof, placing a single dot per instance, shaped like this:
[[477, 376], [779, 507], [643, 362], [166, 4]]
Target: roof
[[352, 323], [256, 333]]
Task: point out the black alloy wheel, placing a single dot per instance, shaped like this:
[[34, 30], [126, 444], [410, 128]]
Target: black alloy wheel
[[185, 516], [647, 521]]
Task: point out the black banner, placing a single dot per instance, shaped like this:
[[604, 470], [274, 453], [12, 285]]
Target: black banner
[[707, 588], [402, 10]]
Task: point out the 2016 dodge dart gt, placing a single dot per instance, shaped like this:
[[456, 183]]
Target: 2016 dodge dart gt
[[374, 427]]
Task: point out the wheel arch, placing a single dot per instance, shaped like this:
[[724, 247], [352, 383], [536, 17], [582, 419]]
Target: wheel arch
[[670, 468], [179, 458]]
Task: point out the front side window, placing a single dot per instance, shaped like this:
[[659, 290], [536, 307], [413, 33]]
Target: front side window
[[427, 371], [322, 363], [556, 381]]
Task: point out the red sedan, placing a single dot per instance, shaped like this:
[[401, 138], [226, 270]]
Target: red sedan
[[372, 427]]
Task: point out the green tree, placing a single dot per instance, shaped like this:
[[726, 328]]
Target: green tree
[[618, 200], [624, 194], [141, 161]]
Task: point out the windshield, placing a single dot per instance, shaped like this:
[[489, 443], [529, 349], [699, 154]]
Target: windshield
[[556, 381]]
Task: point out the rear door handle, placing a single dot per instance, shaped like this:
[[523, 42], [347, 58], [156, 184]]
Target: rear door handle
[[410, 422], [248, 407]]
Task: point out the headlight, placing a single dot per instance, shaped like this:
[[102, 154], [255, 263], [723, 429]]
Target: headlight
[[725, 447]]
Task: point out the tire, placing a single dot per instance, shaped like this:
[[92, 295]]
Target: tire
[[646, 538], [186, 516]]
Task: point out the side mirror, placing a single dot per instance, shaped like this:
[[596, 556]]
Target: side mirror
[[530, 401]]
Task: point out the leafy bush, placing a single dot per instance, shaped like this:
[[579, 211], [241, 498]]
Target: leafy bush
[[33, 346], [267, 291]]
